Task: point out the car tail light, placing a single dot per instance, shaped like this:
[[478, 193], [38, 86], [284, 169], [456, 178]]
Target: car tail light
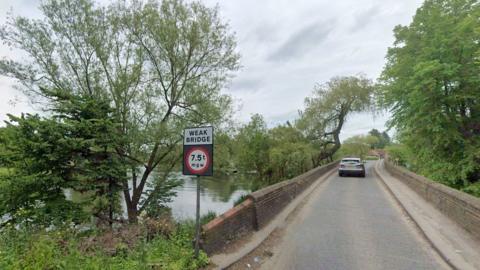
[[359, 166]]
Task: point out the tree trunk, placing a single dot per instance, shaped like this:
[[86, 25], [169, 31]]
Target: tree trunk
[[132, 214], [111, 202]]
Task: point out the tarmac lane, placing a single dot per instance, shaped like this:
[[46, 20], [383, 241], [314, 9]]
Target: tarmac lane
[[353, 223]]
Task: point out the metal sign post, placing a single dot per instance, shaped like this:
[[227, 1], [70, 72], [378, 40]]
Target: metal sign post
[[198, 160], [197, 222]]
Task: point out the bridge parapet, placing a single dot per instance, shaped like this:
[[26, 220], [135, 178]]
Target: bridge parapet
[[459, 206], [257, 210]]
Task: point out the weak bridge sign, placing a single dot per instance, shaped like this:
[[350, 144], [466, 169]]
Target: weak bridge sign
[[198, 151]]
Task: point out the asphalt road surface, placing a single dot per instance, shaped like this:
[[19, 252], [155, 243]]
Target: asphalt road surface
[[353, 223]]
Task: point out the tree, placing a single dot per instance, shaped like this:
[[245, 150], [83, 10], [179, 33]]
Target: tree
[[383, 139], [290, 153], [253, 145], [327, 109], [358, 146], [72, 150], [224, 151], [158, 64], [432, 88]]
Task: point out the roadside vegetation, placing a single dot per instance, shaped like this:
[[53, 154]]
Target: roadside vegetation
[[431, 85], [117, 84], [364, 146]]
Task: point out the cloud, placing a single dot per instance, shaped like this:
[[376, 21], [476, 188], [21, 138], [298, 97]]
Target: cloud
[[286, 48], [302, 41], [363, 18], [246, 84]]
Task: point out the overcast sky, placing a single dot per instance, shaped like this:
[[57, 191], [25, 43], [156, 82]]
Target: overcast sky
[[286, 47]]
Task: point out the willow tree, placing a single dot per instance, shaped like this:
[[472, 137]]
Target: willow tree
[[160, 64], [327, 110], [432, 87]]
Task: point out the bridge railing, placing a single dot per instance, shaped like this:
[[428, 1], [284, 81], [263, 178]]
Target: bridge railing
[[259, 208], [461, 207]]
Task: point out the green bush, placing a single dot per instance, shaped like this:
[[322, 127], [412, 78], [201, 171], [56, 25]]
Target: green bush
[[62, 249], [209, 216], [473, 189]]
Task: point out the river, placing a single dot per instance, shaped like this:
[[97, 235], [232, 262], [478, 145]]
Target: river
[[217, 194]]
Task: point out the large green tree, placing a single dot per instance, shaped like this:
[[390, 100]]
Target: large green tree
[[161, 66], [290, 153], [327, 110], [72, 150], [252, 146], [432, 87]]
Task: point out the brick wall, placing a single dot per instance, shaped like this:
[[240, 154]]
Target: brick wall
[[461, 207], [257, 210], [231, 225]]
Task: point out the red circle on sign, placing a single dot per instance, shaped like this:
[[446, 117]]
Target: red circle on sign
[[207, 162]]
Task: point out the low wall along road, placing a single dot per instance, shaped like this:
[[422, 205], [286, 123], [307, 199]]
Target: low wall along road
[[257, 210], [461, 207]]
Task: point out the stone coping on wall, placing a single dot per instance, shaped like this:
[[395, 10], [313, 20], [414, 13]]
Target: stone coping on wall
[[459, 206]]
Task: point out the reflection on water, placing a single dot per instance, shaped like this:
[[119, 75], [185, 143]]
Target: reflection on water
[[216, 194]]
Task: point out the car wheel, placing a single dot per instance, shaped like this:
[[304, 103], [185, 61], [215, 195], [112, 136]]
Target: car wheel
[[363, 175], [340, 174]]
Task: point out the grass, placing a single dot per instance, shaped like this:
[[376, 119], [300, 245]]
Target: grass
[[64, 249], [240, 199]]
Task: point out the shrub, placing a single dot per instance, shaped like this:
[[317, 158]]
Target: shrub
[[62, 249], [240, 199], [209, 216], [473, 189]]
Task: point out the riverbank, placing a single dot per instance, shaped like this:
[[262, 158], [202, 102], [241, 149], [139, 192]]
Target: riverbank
[[160, 244]]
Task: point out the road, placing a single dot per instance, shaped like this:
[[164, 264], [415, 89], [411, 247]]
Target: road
[[352, 223]]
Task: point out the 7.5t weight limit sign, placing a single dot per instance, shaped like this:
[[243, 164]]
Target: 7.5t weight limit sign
[[198, 151]]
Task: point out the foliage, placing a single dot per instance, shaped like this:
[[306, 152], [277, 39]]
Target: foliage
[[253, 145], [71, 150], [209, 216], [290, 154], [62, 249], [431, 85], [157, 63], [473, 189], [327, 109], [400, 154], [383, 139], [240, 200], [275, 154], [358, 146], [224, 151]]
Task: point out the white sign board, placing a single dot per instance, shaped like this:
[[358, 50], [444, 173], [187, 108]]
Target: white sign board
[[198, 136]]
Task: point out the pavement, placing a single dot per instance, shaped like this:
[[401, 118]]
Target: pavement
[[249, 245], [353, 223], [455, 245]]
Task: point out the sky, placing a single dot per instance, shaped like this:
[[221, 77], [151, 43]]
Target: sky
[[286, 48]]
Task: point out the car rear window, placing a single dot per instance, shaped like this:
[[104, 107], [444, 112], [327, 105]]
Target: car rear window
[[351, 160]]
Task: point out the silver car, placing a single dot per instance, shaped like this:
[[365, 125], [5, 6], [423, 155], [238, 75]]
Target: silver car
[[351, 166]]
